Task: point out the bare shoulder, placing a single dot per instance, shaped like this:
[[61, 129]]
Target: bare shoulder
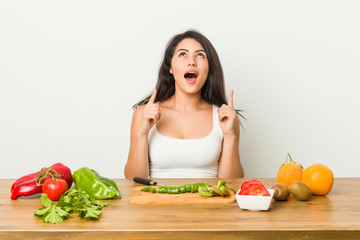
[[139, 109]]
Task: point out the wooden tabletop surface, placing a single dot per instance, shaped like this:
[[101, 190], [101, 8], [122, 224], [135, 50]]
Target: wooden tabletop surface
[[334, 216]]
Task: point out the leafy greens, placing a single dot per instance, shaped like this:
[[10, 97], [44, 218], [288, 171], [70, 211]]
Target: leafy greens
[[72, 200]]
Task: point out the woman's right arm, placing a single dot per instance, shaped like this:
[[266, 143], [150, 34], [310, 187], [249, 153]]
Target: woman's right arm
[[144, 118]]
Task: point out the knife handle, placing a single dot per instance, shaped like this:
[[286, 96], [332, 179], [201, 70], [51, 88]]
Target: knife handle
[[144, 181]]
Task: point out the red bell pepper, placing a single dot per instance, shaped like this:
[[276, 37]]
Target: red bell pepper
[[27, 185]]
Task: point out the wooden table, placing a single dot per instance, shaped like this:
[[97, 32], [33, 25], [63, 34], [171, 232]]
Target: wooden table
[[335, 216]]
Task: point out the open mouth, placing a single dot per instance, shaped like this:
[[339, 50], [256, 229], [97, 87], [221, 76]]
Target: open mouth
[[191, 76]]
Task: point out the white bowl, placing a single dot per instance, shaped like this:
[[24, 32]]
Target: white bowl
[[255, 203]]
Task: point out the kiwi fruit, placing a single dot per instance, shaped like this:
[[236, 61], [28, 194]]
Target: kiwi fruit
[[281, 192], [299, 190]]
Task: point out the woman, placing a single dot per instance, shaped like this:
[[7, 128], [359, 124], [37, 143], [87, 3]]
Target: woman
[[185, 128]]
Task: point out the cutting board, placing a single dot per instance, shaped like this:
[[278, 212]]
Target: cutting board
[[138, 197]]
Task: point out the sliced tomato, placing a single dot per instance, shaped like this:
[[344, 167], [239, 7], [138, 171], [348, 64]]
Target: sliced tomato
[[250, 182], [257, 190], [244, 184], [244, 189]]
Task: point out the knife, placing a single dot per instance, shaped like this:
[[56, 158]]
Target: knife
[[146, 181]]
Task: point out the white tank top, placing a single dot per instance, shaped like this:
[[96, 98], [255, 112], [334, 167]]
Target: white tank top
[[185, 158]]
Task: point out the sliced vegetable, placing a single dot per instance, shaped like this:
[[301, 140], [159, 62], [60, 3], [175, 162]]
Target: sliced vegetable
[[149, 189], [245, 186], [222, 183], [222, 191], [173, 190], [253, 187], [257, 190], [206, 191], [162, 189]]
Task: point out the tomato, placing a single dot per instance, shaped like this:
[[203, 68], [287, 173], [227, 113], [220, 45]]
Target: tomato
[[253, 187], [250, 182], [54, 189], [258, 190], [244, 189], [244, 184]]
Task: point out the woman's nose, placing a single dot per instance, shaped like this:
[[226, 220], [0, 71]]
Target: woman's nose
[[192, 62]]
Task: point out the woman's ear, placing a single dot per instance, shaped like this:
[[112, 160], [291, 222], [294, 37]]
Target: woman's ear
[[170, 71]]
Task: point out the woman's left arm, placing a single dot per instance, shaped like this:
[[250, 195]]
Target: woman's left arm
[[229, 163]]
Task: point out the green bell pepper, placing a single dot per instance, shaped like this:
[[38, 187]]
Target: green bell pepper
[[97, 186], [149, 189], [162, 189], [222, 183]]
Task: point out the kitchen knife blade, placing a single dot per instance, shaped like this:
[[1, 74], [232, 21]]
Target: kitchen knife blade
[[146, 181]]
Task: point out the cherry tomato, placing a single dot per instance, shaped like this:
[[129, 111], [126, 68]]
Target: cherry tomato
[[54, 189]]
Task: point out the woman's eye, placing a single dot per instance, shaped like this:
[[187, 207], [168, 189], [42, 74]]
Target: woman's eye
[[182, 54], [201, 55]]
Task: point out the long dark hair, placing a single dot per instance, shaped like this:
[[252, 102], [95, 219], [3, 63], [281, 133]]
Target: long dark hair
[[213, 90]]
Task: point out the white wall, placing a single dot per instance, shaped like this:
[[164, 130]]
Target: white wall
[[70, 72]]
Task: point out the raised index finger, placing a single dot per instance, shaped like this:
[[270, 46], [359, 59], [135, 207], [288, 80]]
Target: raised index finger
[[230, 102], [152, 98]]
